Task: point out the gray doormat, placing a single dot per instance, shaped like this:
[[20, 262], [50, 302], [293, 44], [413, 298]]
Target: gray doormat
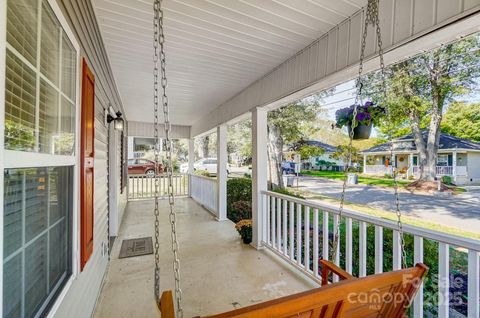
[[136, 247]]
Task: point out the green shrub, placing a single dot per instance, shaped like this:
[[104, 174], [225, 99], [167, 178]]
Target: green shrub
[[204, 173], [447, 180], [238, 189], [240, 210]]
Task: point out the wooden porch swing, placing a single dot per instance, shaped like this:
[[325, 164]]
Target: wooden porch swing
[[381, 295]]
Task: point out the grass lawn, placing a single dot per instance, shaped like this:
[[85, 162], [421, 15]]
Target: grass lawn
[[338, 175]]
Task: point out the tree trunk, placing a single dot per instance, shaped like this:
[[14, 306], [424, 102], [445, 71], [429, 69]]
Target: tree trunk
[[419, 143], [275, 154], [204, 145]]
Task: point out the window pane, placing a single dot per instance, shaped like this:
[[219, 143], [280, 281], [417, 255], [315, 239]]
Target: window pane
[[35, 275], [19, 105], [46, 250], [48, 129], [13, 197], [12, 290], [64, 145], [22, 27], [68, 68], [50, 44], [35, 203]]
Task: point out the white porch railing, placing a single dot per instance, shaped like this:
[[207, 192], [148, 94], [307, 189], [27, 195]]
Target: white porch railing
[[204, 191], [444, 170], [301, 232], [377, 169], [141, 186]]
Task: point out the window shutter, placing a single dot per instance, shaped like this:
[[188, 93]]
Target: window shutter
[[450, 160], [87, 164]]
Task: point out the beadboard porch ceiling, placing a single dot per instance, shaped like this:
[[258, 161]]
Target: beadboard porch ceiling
[[215, 48]]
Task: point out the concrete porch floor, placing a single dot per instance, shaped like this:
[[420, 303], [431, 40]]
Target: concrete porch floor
[[218, 272]]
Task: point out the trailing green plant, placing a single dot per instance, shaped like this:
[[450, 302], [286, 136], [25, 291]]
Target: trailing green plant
[[240, 210]]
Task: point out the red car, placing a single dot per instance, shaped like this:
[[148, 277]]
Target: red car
[[143, 166]]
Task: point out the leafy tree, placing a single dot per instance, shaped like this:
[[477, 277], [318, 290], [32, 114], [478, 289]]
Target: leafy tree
[[307, 151], [418, 90], [240, 139], [342, 154], [462, 120], [289, 124]]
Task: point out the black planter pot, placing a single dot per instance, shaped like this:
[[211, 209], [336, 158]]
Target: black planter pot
[[247, 239], [361, 131]]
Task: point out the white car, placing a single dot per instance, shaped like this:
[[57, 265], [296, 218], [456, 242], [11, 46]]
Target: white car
[[205, 164]]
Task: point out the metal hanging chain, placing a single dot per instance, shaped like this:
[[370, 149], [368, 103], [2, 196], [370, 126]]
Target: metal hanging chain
[[371, 18], [156, 6], [159, 41]]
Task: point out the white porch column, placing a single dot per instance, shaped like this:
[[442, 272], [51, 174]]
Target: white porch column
[[191, 161], [222, 172], [259, 172], [410, 165], [454, 166], [364, 163]]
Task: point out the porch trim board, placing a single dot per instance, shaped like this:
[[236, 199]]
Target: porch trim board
[[3, 51]]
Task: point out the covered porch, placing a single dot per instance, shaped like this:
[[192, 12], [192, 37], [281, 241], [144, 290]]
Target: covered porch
[[218, 272]]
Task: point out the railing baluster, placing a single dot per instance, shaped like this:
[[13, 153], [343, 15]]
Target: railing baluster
[[279, 224], [418, 258], [291, 230], [443, 280], [284, 223], [336, 260], [325, 239], [299, 234], [473, 287], [397, 251], [307, 238], [362, 270], [315, 242], [274, 228], [378, 249], [348, 245], [267, 223], [265, 198]]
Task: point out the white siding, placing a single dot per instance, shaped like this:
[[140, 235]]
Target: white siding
[[82, 295], [473, 166], [143, 129], [334, 56]]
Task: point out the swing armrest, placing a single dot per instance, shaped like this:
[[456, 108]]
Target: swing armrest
[[167, 309], [328, 267]]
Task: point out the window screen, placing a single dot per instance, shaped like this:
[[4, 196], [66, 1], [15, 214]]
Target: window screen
[[37, 237]]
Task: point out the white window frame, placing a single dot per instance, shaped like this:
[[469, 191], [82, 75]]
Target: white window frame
[[443, 161], [10, 159]]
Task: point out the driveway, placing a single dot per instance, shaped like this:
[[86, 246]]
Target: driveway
[[460, 211]]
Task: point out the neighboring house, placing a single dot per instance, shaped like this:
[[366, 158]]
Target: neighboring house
[[316, 162], [458, 158]]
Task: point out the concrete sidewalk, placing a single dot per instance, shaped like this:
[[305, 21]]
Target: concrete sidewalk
[[459, 211]]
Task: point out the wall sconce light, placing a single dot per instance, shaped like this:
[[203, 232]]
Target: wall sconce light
[[117, 121]]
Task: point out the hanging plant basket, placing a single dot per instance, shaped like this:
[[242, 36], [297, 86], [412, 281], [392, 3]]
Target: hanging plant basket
[[367, 115], [361, 131]]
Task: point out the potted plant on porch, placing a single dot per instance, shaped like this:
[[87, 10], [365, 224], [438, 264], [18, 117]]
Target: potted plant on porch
[[367, 115], [244, 228]]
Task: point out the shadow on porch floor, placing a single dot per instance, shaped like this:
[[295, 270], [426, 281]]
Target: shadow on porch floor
[[218, 272]]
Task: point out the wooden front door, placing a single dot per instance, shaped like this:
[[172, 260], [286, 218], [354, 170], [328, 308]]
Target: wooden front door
[[87, 154]]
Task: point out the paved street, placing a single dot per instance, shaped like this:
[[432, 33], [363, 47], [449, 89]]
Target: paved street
[[460, 211]]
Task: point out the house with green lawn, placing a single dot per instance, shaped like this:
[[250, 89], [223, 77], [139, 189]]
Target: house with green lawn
[[458, 158]]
